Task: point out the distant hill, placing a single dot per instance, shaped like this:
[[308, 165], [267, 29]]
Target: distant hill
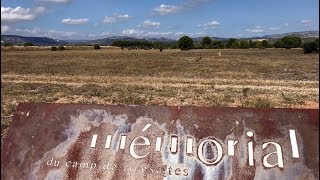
[[303, 34], [38, 41], [110, 40], [198, 39], [44, 41]]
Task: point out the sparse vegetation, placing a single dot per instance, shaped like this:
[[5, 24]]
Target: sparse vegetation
[[53, 48], [96, 46], [8, 44], [28, 44], [61, 48]]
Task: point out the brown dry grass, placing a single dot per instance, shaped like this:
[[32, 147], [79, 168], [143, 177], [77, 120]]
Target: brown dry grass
[[247, 78]]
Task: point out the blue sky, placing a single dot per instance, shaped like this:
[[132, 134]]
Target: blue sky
[[93, 19]]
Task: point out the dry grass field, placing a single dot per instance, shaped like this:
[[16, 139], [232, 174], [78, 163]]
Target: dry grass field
[[260, 78]]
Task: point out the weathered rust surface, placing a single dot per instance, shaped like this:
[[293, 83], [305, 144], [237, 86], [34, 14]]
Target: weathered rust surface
[[53, 141]]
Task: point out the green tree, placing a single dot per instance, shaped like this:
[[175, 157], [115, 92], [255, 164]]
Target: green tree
[[291, 42], [8, 44], [206, 41], [61, 48], [310, 47], [231, 43], [96, 46], [28, 44], [53, 48], [278, 44], [216, 44], [317, 43], [264, 44], [244, 44], [185, 43]]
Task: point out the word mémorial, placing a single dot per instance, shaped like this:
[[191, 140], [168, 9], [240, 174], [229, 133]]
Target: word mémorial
[[200, 149]]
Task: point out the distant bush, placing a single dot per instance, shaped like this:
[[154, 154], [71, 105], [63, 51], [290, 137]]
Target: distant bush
[[244, 44], [96, 46], [232, 43], [61, 48], [206, 41], [185, 43], [53, 48], [8, 44], [264, 44], [310, 47], [28, 44], [278, 44], [291, 42], [216, 44]]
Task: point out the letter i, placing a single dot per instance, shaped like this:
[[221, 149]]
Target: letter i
[[94, 140], [250, 149]]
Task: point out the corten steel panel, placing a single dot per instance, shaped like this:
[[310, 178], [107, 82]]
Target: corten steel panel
[[70, 141]]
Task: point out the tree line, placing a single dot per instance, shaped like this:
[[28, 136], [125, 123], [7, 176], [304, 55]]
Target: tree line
[[288, 42], [186, 43]]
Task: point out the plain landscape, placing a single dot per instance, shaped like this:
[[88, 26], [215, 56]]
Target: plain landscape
[[261, 78]]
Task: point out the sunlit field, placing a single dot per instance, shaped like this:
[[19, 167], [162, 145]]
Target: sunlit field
[[262, 78]]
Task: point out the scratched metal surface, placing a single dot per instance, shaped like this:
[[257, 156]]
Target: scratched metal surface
[[52, 141]]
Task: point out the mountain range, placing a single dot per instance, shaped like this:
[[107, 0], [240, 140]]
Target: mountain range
[[45, 41]]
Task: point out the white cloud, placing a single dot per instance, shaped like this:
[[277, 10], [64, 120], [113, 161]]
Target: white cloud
[[4, 29], [158, 33], [74, 21], [56, 1], [141, 34], [183, 34], [166, 9], [150, 24], [212, 24], [306, 22], [116, 18], [256, 29], [105, 33], [34, 31], [18, 14], [274, 28], [131, 32], [286, 24], [50, 33]]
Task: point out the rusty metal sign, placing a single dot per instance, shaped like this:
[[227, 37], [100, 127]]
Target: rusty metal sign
[[72, 141]]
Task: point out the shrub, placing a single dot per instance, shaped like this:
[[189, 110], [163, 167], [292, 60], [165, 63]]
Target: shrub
[[278, 44], [185, 43], [61, 48], [264, 43], [8, 44], [291, 42], [96, 46], [53, 48], [205, 42], [310, 47], [244, 44], [28, 44], [216, 44], [232, 43]]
